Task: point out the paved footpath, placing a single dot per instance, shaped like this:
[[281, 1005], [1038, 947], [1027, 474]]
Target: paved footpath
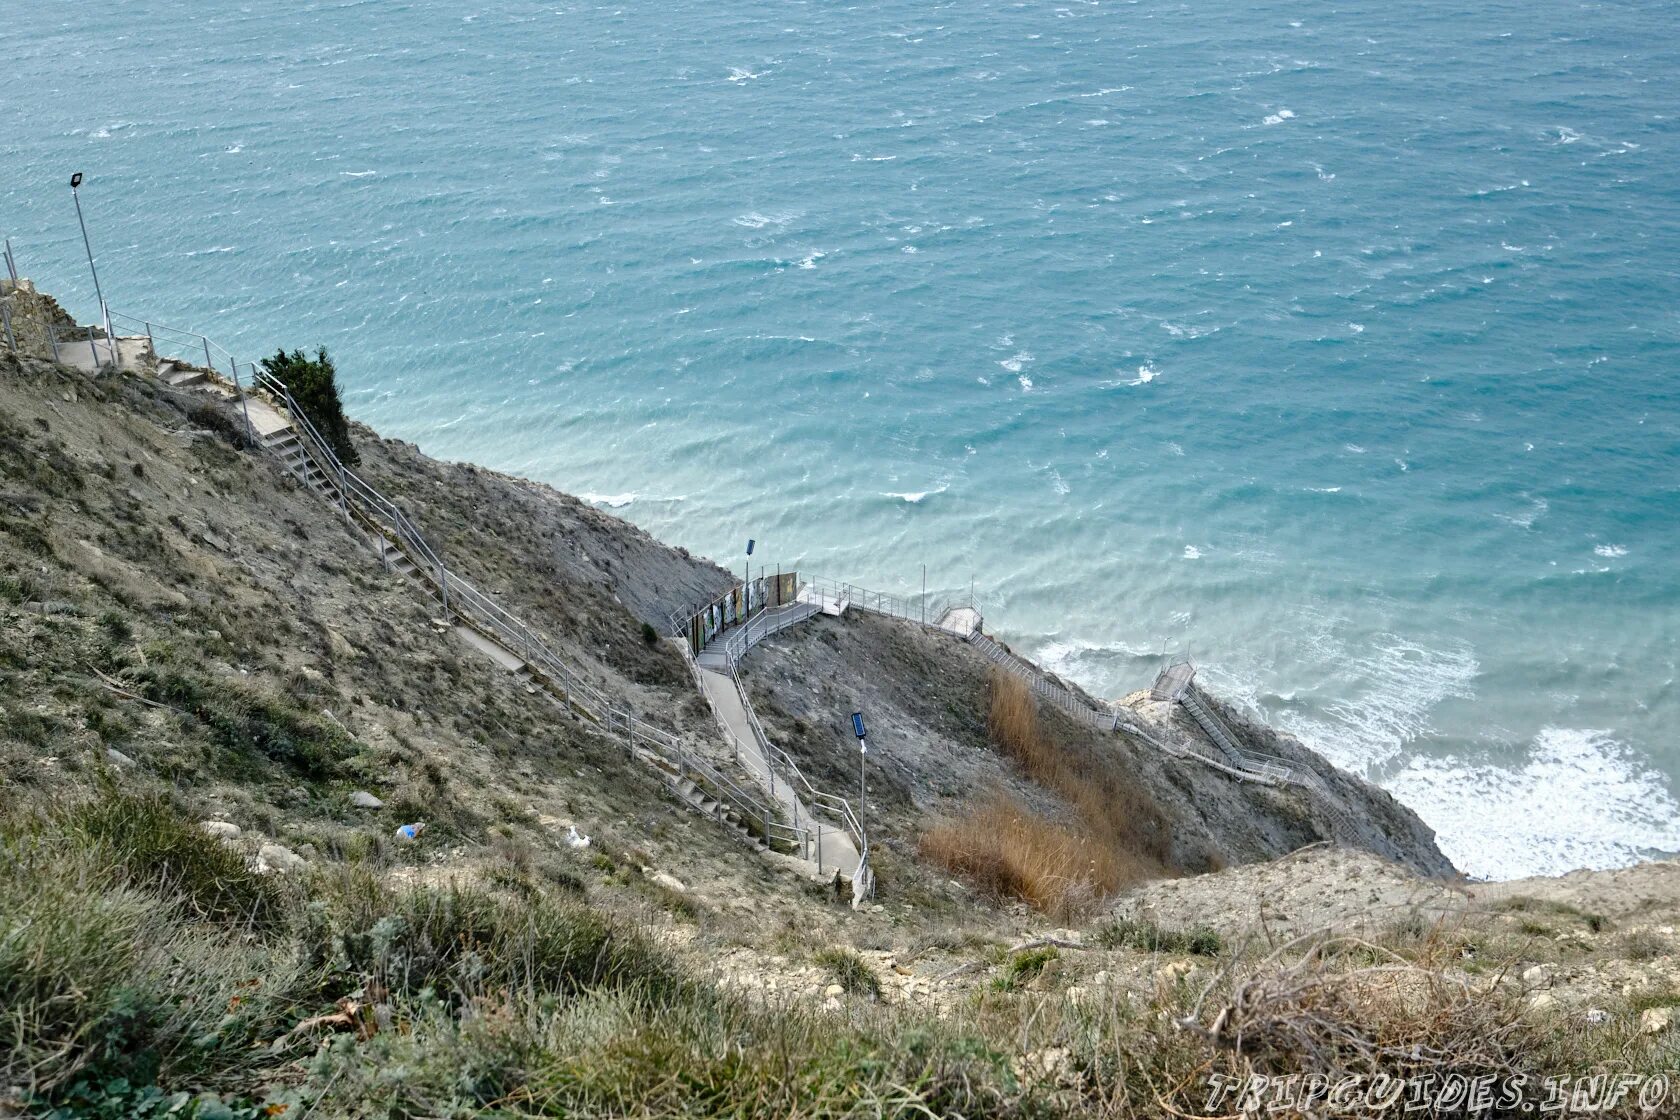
[[838, 850]]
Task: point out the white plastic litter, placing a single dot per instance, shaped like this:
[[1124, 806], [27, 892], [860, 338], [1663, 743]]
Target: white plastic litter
[[575, 839]]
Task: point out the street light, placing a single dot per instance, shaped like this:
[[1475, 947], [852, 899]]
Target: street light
[[863, 751], [104, 312], [746, 583]]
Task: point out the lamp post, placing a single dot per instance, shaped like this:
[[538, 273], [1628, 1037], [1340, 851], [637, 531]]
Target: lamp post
[[863, 752], [104, 312], [746, 584]]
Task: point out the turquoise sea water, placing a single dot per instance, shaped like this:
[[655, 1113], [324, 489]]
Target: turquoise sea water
[[1334, 346]]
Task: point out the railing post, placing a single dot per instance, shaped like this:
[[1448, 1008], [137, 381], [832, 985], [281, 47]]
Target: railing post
[[6, 314], [52, 336], [250, 433], [207, 362], [443, 584]]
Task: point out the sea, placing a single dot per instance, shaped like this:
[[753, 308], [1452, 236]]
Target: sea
[[1333, 346]]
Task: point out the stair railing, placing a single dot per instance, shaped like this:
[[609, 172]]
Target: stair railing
[[479, 610]]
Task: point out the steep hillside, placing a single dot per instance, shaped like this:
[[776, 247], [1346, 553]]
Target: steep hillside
[[179, 613], [928, 696]]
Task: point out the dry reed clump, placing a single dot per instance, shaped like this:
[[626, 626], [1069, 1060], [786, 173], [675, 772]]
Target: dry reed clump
[[1010, 851], [1295, 1011]]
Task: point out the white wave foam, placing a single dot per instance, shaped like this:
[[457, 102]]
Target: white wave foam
[[611, 501], [1026, 382], [1280, 116], [1581, 799], [357, 174], [1537, 508], [1069, 658], [1324, 489], [1610, 551], [1357, 328], [1384, 697], [1191, 552], [1013, 365], [913, 497], [1145, 374]]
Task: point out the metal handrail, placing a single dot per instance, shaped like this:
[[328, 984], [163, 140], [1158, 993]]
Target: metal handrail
[[483, 612], [734, 648]]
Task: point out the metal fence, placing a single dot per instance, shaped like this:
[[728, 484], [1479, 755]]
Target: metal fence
[[356, 496]]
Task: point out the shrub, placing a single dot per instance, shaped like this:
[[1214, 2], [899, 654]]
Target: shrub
[[314, 385], [649, 634], [104, 975], [1136, 933], [1024, 966], [849, 971], [244, 722]]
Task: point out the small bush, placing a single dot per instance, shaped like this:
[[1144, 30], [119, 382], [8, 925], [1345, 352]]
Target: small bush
[[1025, 966], [850, 971], [1642, 945], [649, 634], [1132, 933], [314, 385], [215, 420]]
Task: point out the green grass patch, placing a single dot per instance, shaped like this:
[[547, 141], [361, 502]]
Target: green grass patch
[[849, 970], [1132, 933]]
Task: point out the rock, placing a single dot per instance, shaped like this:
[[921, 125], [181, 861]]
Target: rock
[[833, 991], [118, 758], [1540, 1001], [278, 857], [1656, 1020], [669, 882], [1173, 971], [1597, 1016], [362, 799], [1537, 976], [1049, 1062], [221, 830]]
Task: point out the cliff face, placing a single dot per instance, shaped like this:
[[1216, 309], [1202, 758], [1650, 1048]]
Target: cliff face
[[931, 753]]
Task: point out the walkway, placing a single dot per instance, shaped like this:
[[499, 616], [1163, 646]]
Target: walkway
[[830, 849]]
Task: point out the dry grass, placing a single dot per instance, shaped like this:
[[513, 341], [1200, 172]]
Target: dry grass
[[1299, 1010], [1010, 851]]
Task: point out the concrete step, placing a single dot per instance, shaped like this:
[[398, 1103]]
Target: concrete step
[[186, 378]]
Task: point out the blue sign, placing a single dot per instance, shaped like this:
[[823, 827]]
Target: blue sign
[[857, 724], [750, 543]]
